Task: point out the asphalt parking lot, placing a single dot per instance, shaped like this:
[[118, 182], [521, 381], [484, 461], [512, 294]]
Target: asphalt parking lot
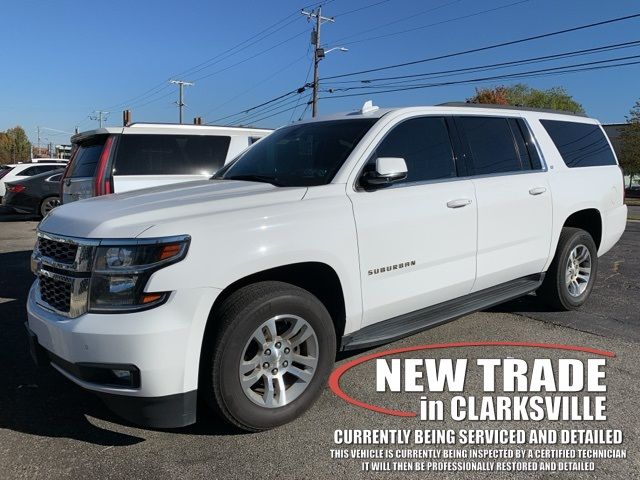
[[49, 428]]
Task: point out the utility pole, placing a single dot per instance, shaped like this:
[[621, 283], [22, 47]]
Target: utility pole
[[38, 138], [318, 52], [100, 116], [181, 84]]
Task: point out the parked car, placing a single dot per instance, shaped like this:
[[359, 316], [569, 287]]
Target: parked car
[[36, 195], [632, 192], [20, 171], [142, 155], [330, 234]]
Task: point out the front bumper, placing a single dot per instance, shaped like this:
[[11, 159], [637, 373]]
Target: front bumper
[[162, 345]]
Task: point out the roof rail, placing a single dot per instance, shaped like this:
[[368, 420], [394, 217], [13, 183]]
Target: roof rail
[[509, 107], [190, 125]]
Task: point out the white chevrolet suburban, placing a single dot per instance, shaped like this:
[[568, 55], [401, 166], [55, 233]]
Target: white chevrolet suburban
[[331, 234]]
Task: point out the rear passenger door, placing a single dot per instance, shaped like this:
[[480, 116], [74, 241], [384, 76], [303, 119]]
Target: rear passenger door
[[513, 198], [417, 237]]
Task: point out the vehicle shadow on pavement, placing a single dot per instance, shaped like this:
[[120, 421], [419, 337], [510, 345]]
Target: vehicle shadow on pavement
[[39, 401], [8, 216], [528, 303]]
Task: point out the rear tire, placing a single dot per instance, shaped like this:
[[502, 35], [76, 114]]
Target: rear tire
[[274, 349], [48, 204], [570, 278]]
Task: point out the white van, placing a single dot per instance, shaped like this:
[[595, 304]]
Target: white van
[[142, 155]]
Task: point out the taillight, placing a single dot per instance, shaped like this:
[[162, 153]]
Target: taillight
[[102, 185], [15, 188]]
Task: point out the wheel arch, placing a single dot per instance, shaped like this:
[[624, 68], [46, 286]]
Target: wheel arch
[[317, 278], [589, 220]]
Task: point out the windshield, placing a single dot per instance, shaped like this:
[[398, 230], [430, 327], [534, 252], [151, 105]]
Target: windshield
[[302, 155]]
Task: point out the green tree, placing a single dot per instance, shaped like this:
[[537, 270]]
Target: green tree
[[14, 146], [555, 98], [630, 144]]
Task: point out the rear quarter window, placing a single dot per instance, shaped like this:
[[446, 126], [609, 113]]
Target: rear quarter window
[[170, 154], [85, 159], [580, 144]]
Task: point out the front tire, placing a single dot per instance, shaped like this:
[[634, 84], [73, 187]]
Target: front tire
[[570, 278], [271, 357]]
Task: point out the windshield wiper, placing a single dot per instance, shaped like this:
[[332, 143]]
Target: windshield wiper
[[256, 178]]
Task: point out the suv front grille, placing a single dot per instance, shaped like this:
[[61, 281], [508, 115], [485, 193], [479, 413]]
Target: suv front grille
[[56, 292], [63, 267], [62, 252]]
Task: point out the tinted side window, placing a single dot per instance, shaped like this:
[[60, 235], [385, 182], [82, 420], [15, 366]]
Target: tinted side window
[[580, 144], [27, 172], [170, 154], [86, 157], [425, 146], [492, 145], [47, 168]]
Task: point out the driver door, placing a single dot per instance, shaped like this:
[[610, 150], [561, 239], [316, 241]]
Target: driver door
[[417, 236]]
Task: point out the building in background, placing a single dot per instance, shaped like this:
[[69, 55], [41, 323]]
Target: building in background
[[63, 151], [51, 151]]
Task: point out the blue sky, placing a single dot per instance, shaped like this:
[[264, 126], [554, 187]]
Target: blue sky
[[62, 60]]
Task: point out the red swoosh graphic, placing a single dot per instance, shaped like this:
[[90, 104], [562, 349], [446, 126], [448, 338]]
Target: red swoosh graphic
[[334, 379]]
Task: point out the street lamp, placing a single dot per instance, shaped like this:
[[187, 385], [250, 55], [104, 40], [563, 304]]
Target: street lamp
[[322, 52]]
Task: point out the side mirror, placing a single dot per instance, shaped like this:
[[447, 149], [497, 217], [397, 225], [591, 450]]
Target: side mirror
[[388, 170]]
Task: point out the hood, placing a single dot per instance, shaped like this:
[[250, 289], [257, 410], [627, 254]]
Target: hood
[[127, 215]]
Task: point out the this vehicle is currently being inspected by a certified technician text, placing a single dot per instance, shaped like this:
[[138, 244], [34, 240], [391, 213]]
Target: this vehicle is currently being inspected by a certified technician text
[[335, 233]]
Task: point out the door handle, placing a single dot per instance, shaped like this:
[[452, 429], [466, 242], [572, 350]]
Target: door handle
[[537, 190], [458, 203]]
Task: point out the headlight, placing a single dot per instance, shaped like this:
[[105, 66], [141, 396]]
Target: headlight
[[121, 270]]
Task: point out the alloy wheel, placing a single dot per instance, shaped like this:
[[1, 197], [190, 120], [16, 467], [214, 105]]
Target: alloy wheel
[[578, 270], [279, 361]]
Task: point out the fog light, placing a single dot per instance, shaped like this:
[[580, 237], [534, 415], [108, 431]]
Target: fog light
[[122, 374]]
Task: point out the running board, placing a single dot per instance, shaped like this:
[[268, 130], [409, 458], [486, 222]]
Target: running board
[[414, 322]]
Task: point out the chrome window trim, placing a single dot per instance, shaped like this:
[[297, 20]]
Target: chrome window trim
[[534, 141], [356, 183]]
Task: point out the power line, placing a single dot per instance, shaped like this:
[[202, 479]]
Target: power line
[[277, 113], [399, 20], [260, 53], [488, 47], [260, 112], [492, 66], [598, 62], [529, 74], [306, 79], [231, 51], [257, 84], [286, 94], [450, 20], [349, 12]]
